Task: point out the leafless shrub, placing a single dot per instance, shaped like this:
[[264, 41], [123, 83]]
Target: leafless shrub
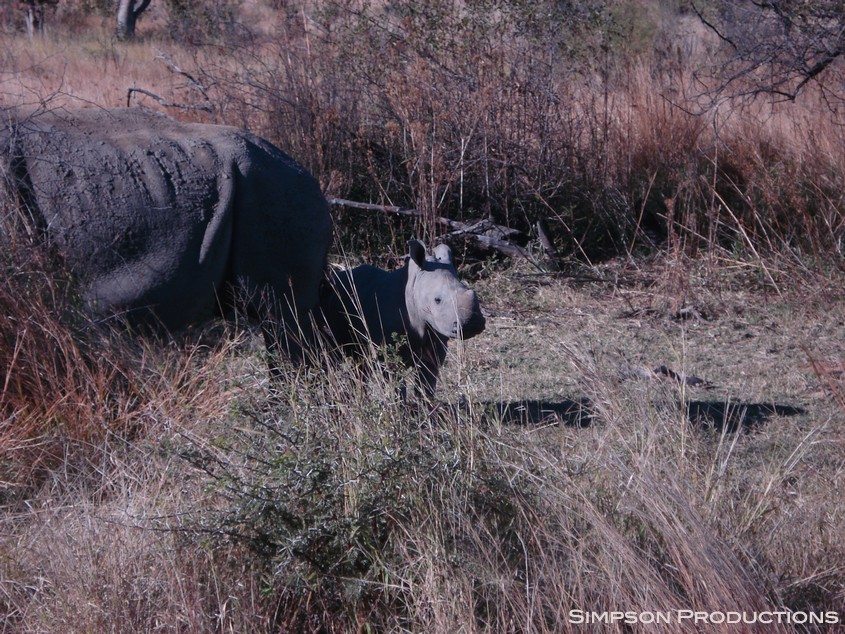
[[775, 48], [468, 113]]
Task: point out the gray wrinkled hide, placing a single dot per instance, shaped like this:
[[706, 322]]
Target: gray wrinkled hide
[[164, 219], [424, 301]]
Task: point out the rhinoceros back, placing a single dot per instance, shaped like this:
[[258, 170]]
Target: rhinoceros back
[[159, 217]]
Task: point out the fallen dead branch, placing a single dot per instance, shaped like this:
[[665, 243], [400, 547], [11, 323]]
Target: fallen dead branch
[[163, 102], [485, 233]]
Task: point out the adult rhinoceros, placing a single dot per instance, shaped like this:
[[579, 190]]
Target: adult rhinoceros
[[166, 220]]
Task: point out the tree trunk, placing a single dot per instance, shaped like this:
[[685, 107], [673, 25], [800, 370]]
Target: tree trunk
[[34, 20], [127, 16], [30, 22]]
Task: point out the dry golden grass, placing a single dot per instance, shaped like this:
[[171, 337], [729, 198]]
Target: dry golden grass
[[78, 72]]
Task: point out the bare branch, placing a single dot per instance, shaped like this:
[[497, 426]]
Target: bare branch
[[164, 103], [193, 83], [776, 47]]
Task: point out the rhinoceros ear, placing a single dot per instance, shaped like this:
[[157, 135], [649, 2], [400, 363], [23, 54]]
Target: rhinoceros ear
[[416, 251], [443, 254]]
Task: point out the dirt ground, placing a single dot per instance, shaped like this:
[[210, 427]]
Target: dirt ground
[[768, 346]]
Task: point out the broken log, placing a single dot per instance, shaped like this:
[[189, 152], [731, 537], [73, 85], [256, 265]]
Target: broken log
[[479, 231]]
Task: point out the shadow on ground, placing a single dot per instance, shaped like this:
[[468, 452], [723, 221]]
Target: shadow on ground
[[571, 413], [715, 415], [733, 416]]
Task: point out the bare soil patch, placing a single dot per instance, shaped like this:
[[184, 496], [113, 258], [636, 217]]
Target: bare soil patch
[[749, 344]]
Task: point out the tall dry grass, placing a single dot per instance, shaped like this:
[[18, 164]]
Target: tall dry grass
[[54, 401], [332, 505], [91, 500], [72, 390]]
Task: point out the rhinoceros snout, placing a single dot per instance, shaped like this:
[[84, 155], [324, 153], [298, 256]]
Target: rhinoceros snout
[[473, 326]]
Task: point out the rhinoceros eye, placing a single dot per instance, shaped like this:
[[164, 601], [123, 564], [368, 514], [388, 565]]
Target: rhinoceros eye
[[437, 300]]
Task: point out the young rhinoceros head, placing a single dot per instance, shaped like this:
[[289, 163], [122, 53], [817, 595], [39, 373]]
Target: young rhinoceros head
[[436, 298]]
